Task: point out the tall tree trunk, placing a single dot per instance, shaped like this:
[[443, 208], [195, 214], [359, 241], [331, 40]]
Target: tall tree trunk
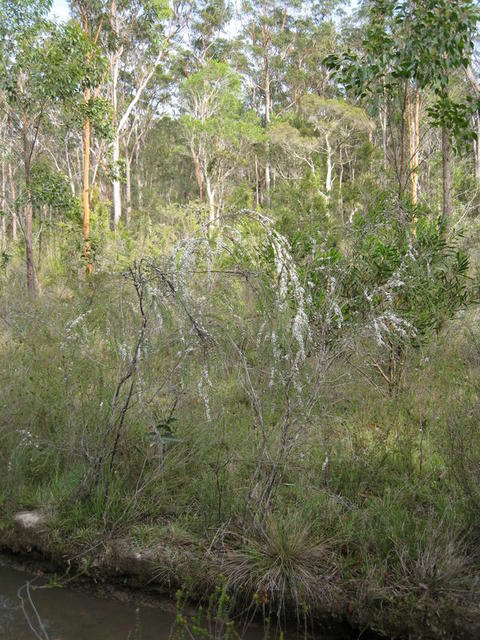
[[267, 146], [414, 140], [384, 124], [476, 148], [211, 200], [447, 176], [266, 64], [117, 190], [86, 175], [86, 191], [42, 216], [114, 69], [27, 157], [138, 169], [3, 206], [329, 178], [14, 203], [401, 174], [128, 186], [198, 172]]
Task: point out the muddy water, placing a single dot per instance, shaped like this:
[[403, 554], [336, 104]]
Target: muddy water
[[30, 608]]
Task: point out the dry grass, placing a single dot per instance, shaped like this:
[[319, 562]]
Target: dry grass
[[281, 565]]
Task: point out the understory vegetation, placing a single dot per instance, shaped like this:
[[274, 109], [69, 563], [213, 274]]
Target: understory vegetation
[[203, 404]]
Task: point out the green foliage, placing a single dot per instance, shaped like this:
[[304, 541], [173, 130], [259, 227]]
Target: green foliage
[[427, 278], [160, 8], [74, 62], [212, 92], [51, 188], [423, 41], [395, 278], [331, 114]]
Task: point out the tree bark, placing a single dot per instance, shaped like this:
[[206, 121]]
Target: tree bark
[[211, 200], [86, 191], [114, 69], [266, 63], [384, 124], [3, 206], [447, 177], [117, 189], [198, 172], [42, 217], [402, 143], [329, 178], [27, 157], [414, 140], [138, 169], [128, 186], [14, 204], [86, 174]]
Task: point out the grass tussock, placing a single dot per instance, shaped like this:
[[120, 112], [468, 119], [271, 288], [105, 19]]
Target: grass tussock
[[282, 563]]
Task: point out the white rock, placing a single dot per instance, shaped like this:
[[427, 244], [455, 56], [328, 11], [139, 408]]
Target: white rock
[[29, 520]]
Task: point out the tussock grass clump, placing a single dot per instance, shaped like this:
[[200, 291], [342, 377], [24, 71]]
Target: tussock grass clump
[[430, 590], [281, 566]]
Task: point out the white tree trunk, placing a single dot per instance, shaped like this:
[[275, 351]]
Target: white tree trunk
[[329, 179], [14, 204], [3, 205], [128, 186], [211, 199], [114, 71], [117, 191], [267, 122], [138, 169], [476, 147]]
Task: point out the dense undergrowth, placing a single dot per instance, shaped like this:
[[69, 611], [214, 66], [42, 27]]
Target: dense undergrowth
[[200, 400]]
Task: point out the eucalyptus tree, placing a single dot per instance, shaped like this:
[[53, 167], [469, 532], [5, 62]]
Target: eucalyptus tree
[[43, 67], [420, 44], [315, 35], [440, 44], [22, 23], [208, 25], [218, 130], [268, 27], [336, 122], [3, 177], [140, 34]]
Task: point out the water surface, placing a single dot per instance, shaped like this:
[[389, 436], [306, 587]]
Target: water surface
[[30, 608]]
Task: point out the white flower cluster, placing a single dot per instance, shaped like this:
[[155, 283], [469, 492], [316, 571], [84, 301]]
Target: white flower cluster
[[76, 328], [27, 439], [289, 284], [388, 323], [203, 384]]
